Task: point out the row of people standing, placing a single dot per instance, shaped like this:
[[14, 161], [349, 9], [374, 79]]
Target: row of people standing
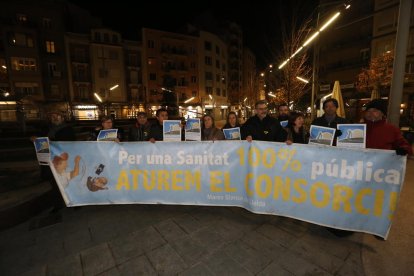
[[261, 126]]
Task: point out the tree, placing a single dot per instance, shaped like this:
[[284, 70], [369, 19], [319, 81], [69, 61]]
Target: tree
[[290, 88], [377, 76]]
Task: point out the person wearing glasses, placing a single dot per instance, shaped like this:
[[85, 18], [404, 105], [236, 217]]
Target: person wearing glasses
[[263, 127]]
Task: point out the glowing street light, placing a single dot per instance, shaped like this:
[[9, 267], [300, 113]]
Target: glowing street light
[[189, 100], [97, 96], [271, 94], [302, 80], [114, 87]]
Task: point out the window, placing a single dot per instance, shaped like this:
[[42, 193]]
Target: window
[[151, 44], [364, 54], [151, 61], [153, 76], [208, 60], [26, 88], [23, 64], [20, 39], [47, 23], [21, 17], [207, 45], [132, 60], [218, 91], [193, 65], [106, 37], [217, 64], [193, 79], [51, 68], [209, 89], [194, 94], [218, 78], [217, 50], [97, 36], [80, 72], [50, 47]]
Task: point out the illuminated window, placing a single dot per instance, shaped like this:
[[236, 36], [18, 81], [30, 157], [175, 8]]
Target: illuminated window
[[50, 47]]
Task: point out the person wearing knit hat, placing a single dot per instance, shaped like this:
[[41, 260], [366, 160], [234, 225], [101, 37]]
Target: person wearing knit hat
[[380, 133], [378, 104]]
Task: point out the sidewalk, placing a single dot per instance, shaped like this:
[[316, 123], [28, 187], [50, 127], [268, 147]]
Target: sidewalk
[[191, 240]]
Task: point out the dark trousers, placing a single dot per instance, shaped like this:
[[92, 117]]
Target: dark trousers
[[57, 199]]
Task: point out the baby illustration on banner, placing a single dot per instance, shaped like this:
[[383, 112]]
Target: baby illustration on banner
[[60, 163]]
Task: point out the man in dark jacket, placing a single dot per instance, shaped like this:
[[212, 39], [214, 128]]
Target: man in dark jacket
[[140, 131], [156, 132], [263, 127], [330, 118]]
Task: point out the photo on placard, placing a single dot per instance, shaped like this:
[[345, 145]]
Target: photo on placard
[[232, 133], [321, 135], [107, 135], [42, 150], [193, 130], [353, 135], [172, 130]]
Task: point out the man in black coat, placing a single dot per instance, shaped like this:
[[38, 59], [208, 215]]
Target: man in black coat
[[263, 127], [140, 131]]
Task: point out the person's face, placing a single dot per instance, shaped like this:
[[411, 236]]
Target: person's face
[[107, 124], [299, 121], [142, 120], [162, 116], [208, 122], [283, 110], [373, 115], [330, 109], [232, 119], [56, 119], [261, 110]]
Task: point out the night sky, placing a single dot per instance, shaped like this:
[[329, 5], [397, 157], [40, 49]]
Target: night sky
[[260, 21]]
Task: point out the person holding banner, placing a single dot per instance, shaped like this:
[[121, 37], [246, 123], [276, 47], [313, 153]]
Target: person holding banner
[[284, 112], [380, 133], [209, 132], [231, 121], [140, 131], [106, 123], [156, 131], [263, 127], [295, 129], [330, 118]]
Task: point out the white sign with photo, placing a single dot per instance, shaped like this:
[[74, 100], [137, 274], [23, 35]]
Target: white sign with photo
[[353, 135], [321, 135]]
